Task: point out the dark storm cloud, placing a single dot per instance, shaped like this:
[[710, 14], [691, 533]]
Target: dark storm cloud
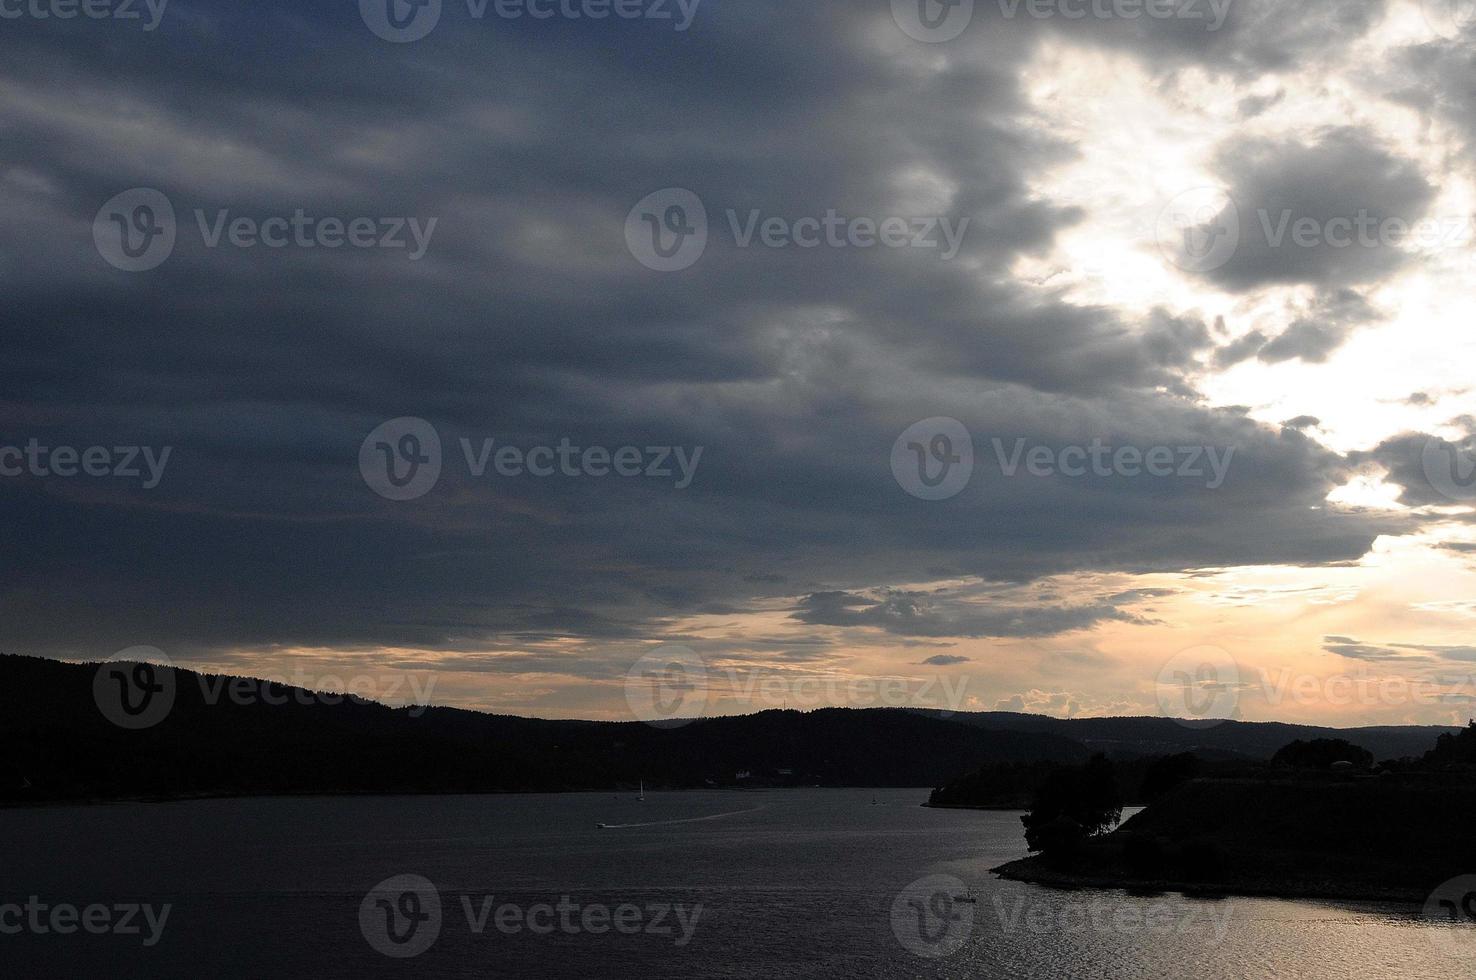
[[1254, 105], [1322, 330], [1240, 349], [1423, 466], [1255, 36], [1439, 77], [1305, 340], [1345, 646], [528, 321], [1351, 649], [939, 614], [1443, 651], [1321, 211]]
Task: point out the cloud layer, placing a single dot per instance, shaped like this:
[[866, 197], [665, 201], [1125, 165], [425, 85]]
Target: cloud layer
[[528, 321]]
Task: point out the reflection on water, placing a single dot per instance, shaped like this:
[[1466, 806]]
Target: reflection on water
[[820, 883]]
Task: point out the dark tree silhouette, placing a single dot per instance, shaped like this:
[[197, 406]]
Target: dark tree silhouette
[[1321, 753], [1458, 749], [1169, 773], [1073, 804], [1003, 784]]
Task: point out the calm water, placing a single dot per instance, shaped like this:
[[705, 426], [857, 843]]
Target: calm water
[[811, 883]]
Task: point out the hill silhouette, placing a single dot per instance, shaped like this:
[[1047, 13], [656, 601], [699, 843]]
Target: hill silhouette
[[1122, 737], [274, 739], [58, 744]]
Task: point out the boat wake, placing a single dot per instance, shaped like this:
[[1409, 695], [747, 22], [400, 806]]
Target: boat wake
[[664, 823]]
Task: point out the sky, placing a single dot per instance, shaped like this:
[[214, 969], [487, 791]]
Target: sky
[[1080, 358]]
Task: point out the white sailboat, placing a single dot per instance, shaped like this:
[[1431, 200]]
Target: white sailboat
[[642, 797]]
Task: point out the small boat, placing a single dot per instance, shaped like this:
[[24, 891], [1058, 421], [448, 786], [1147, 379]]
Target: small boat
[[602, 826], [968, 898]]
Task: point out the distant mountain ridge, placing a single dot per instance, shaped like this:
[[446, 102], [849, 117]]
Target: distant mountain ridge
[[57, 744], [1225, 739]]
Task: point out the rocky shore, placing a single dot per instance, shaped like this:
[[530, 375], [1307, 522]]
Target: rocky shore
[[1358, 837]]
